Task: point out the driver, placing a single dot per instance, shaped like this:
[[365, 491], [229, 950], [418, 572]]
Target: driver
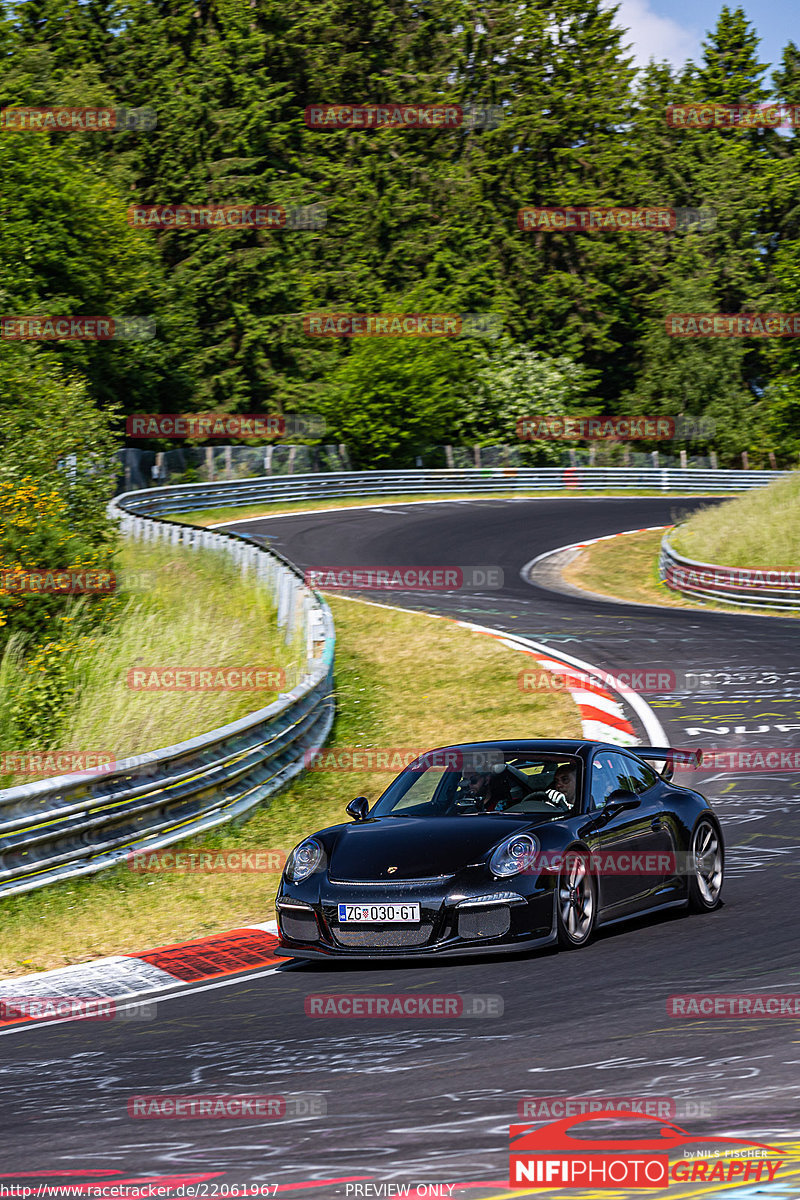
[[562, 793]]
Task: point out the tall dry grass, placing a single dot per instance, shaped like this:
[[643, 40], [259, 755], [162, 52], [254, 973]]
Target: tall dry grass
[[758, 529]]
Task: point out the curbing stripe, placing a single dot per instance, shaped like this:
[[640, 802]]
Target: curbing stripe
[[602, 717], [125, 977]]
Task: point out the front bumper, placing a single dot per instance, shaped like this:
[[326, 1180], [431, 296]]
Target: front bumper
[[481, 920]]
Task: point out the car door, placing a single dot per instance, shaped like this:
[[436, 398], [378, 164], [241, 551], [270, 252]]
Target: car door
[[615, 835], [646, 783]]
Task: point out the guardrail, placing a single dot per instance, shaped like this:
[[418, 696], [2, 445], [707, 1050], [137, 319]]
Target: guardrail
[[69, 826], [747, 586], [186, 497]]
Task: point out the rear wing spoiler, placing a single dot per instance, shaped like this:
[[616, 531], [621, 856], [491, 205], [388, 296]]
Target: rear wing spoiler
[[670, 758]]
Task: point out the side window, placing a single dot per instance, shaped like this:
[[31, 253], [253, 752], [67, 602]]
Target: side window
[[604, 778], [639, 777], [611, 772]]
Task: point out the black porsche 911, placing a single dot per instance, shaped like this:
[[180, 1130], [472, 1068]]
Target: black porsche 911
[[502, 846]]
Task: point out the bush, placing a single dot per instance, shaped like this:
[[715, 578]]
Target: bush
[[37, 533]]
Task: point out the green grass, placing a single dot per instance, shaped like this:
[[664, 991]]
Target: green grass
[[185, 609], [627, 569], [758, 529], [402, 680]]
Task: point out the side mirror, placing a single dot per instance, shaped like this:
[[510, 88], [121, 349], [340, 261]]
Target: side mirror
[[358, 808], [621, 800]]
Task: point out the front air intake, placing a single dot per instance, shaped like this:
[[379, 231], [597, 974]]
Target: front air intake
[[486, 923]]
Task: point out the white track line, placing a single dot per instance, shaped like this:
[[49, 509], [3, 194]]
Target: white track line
[[151, 998]]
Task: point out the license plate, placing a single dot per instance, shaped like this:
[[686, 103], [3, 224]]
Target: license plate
[[379, 914]]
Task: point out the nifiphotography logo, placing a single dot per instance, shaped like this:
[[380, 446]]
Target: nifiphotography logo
[[553, 1155]]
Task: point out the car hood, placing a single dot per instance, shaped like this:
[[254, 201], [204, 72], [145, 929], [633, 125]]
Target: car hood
[[418, 847]]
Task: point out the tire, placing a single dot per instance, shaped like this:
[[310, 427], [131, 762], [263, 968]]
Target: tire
[[576, 902], [707, 866]]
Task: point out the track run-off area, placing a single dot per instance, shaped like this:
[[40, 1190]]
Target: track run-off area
[[427, 1101]]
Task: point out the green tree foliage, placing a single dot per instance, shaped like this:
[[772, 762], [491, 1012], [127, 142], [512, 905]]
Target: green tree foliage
[[56, 475], [417, 219]]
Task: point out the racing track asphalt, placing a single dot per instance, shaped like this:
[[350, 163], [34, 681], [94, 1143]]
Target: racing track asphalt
[[430, 1100]]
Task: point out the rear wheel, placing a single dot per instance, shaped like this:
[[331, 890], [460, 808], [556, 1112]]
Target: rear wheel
[[706, 866], [576, 901]]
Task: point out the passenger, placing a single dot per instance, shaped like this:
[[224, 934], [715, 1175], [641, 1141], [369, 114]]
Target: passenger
[[477, 786]]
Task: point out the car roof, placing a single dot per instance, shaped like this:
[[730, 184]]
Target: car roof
[[582, 747]]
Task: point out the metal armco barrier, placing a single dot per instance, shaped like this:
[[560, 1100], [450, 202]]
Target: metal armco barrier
[[75, 825], [748, 586], [186, 497]]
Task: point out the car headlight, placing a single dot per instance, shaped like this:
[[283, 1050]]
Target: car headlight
[[304, 860], [513, 855]]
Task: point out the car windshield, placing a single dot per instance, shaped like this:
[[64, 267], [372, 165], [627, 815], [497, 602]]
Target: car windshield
[[460, 783]]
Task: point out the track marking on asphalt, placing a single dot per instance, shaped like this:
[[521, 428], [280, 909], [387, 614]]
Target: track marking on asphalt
[[150, 998]]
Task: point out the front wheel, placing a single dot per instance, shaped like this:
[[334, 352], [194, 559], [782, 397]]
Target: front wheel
[[576, 902], [706, 866]]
